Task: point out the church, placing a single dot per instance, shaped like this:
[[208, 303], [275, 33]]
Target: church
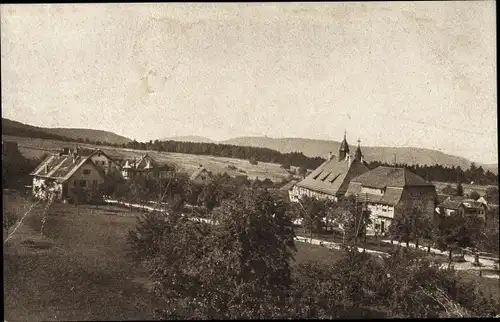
[[331, 179]]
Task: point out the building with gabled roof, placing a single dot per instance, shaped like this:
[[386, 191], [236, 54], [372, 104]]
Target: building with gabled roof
[[201, 176], [67, 172], [146, 166], [463, 206], [388, 192], [288, 186], [99, 157], [331, 179]]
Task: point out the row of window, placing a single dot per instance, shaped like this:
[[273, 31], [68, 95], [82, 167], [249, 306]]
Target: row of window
[[83, 183]]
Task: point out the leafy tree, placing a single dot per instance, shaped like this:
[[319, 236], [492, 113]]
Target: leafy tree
[[449, 190], [239, 268], [356, 219], [492, 195], [460, 190], [253, 161], [412, 224], [210, 196], [474, 195], [285, 166], [303, 171]]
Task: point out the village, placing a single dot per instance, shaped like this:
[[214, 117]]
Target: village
[[385, 191], [389, 197], [180, 161]]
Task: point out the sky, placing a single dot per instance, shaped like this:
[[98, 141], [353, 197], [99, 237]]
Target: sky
[[406, 74]]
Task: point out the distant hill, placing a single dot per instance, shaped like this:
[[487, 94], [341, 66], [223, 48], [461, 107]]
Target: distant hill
[[313, 148], [189, 138], [15, 128]]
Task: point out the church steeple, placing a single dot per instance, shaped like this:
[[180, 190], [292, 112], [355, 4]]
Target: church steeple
[[344, 148], [358, 155]]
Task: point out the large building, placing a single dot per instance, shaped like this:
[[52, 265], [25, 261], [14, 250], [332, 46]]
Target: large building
[[388, 192], [331, 179], [67, 172]]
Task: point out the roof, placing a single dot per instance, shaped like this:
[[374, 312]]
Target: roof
[[382, 177], [391, 195], [333, 176], [140, 164], [450, 204], [288, 186], [61, 168], [456, 202], [441, 198], [197, 172]]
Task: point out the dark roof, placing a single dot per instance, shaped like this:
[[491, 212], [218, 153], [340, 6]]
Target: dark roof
[[450, 204], [382, 177], [61, 168], [288, 186], [333, 176]]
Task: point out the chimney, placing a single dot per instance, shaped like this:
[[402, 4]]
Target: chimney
[[330, 155]]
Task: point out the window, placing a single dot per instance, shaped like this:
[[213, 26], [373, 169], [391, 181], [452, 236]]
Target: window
[[74, 183], [94, 183], [86, 171], [83, 183]]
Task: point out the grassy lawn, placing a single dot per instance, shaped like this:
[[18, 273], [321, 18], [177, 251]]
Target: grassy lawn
[[308, 252], [77, 271]]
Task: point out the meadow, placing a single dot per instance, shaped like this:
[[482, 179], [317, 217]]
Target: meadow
[[36, 148], [468, 188]]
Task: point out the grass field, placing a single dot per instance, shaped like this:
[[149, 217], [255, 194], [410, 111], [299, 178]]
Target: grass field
[[468, 188], [77, 271], [33, 148]]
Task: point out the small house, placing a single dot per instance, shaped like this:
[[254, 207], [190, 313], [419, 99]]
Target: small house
[[201, 176]]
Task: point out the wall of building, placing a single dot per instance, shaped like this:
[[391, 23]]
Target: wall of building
[[423, 198], [202, 178], [92, 180], [297, 192], [381, 216]]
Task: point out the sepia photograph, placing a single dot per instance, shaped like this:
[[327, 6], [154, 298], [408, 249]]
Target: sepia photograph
[[288, 160]]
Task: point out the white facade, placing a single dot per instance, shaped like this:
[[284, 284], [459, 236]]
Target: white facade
[[297, 192], [381, 216]]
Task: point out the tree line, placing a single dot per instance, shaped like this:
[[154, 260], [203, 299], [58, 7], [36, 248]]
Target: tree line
[[434, 173], [431, 172]]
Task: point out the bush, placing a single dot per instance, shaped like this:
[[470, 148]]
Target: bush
[[285, 166], [9, 219], [474, 195], [253, 161]]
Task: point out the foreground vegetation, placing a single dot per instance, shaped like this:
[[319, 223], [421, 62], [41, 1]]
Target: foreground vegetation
[[99, 263], [242, 268]]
